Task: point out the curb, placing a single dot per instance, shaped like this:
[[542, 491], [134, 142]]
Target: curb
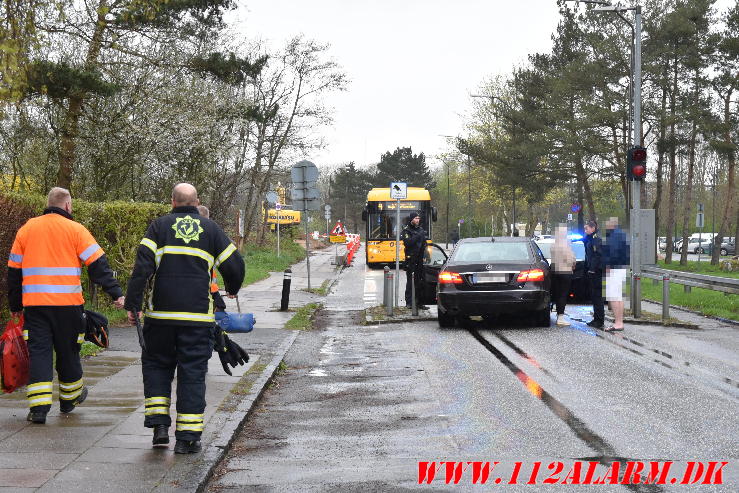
[[224, 426], [635, 321]]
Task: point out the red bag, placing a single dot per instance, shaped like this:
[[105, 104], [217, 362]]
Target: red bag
[[14, 359]]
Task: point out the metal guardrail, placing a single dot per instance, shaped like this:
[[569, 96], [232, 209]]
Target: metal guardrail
[[726, 285]]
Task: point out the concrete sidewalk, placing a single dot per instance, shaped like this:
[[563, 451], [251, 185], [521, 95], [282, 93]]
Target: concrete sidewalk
[[103, 445]]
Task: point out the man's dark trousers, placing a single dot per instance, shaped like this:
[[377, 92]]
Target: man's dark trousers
[[413, 265], [187, 349], [595, 283]]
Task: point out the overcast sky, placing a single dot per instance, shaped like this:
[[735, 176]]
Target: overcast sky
[[412, 63]]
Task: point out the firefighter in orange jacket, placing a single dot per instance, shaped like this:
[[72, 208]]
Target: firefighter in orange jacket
[[44, 270]]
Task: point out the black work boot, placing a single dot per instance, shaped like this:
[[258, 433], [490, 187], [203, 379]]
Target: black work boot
[[161, 435], [38, 417], [68, 406], [186, 446]]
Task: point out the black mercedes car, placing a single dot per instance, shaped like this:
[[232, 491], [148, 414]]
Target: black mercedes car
[[490, 276]]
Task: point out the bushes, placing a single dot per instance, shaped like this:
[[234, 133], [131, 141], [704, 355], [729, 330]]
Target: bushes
[[117, 226]]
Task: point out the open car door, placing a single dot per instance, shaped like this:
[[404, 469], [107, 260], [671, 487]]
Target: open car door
[[433, 261]]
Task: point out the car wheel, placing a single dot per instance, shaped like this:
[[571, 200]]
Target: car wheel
[[699, 250], [724, 251], [542, 318], [445, 320]]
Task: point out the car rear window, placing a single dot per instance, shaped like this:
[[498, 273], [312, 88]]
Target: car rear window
[[497, 251]]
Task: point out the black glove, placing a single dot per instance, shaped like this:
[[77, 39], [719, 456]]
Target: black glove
[[230, 353], [96, 328]]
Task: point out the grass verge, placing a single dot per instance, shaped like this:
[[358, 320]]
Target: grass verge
[[322, 290], [698, 268], [261, 260], [303, 318], [705, 301]]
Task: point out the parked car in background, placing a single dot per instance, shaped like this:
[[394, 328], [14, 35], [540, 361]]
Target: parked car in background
[[490, 276], [728, 247], [662, 243], [695, 245]]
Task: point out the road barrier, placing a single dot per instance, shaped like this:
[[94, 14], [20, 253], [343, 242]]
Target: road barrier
[[352, 246], [286, 281], [387, 290], [725, 285]]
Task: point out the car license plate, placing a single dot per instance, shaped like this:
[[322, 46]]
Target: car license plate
[[488, 277]]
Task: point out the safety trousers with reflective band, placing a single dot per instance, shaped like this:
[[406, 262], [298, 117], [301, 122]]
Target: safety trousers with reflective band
[[53, 329], [187, 350]]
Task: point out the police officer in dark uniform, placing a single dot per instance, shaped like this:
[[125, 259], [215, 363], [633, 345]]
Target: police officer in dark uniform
[[414, 241], [594, 272], [178, 254]]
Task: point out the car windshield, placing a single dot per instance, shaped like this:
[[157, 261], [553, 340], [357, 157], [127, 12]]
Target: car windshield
[[498, 251], [577, 246]]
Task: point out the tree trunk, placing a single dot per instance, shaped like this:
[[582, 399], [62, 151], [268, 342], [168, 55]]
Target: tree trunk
[[673, 166], [691, 169], [729, 203], [70, 129], [660, 159]]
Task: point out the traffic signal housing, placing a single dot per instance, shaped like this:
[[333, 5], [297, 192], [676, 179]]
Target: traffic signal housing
[[636, 163]]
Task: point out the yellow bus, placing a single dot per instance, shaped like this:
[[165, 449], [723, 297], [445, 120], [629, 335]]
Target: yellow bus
[[380, 217]]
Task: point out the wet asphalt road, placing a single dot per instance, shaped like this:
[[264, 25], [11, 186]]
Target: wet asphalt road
[[360, 405]]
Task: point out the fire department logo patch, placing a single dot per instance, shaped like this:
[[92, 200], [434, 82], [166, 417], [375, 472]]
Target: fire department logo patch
[[187, 229]]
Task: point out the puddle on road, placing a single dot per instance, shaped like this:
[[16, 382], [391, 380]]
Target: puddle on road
[[318, 372]]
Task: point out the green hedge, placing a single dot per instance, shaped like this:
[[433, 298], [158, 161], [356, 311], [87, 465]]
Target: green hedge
[[117, 226]]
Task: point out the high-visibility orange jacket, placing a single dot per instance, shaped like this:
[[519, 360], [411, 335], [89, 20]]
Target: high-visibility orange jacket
[[46, 261]]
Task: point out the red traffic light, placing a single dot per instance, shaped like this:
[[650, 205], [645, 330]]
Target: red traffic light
[[636, 163]]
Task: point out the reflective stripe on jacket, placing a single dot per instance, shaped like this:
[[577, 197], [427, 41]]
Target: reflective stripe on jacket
[[49, 252]]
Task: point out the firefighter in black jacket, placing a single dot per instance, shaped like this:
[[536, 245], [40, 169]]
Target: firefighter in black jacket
[[177, 254], [414, 242]]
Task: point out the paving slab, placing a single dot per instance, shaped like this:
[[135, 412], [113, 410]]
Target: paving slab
[[104, 446]]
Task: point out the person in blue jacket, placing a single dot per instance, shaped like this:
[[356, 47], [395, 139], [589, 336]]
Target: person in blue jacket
[[616, 260]]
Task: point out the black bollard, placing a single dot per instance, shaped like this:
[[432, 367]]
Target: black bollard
[[286, 290]]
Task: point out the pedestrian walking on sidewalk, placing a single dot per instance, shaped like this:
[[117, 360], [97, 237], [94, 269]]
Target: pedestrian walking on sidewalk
[[178, 254], [616, 261], [594, 272], [44, 270], [414, 243], [563, 260]]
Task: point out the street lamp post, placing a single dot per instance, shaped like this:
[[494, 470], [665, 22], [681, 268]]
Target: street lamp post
[[636, 139]]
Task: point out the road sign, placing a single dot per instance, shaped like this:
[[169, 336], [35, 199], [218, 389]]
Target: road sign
[[569, 217], [700, 207], [304, 193], [398, 190], [278, 206], [461, 221], [699, 220], [575, 207], [339, 229], [327, 208], [304, 172], [272, 197], [327, 215]]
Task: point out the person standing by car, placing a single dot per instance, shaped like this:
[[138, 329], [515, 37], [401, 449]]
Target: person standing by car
[[563, 261], [594, 272], [414, 241], [616, 261]]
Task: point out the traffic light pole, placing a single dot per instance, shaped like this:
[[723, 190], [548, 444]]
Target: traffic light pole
[[636, 184]]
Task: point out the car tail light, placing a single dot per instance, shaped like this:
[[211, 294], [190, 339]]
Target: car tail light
[[446, 277], [530, 275]]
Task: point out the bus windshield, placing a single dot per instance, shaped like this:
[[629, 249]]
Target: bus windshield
[[381, 217]]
